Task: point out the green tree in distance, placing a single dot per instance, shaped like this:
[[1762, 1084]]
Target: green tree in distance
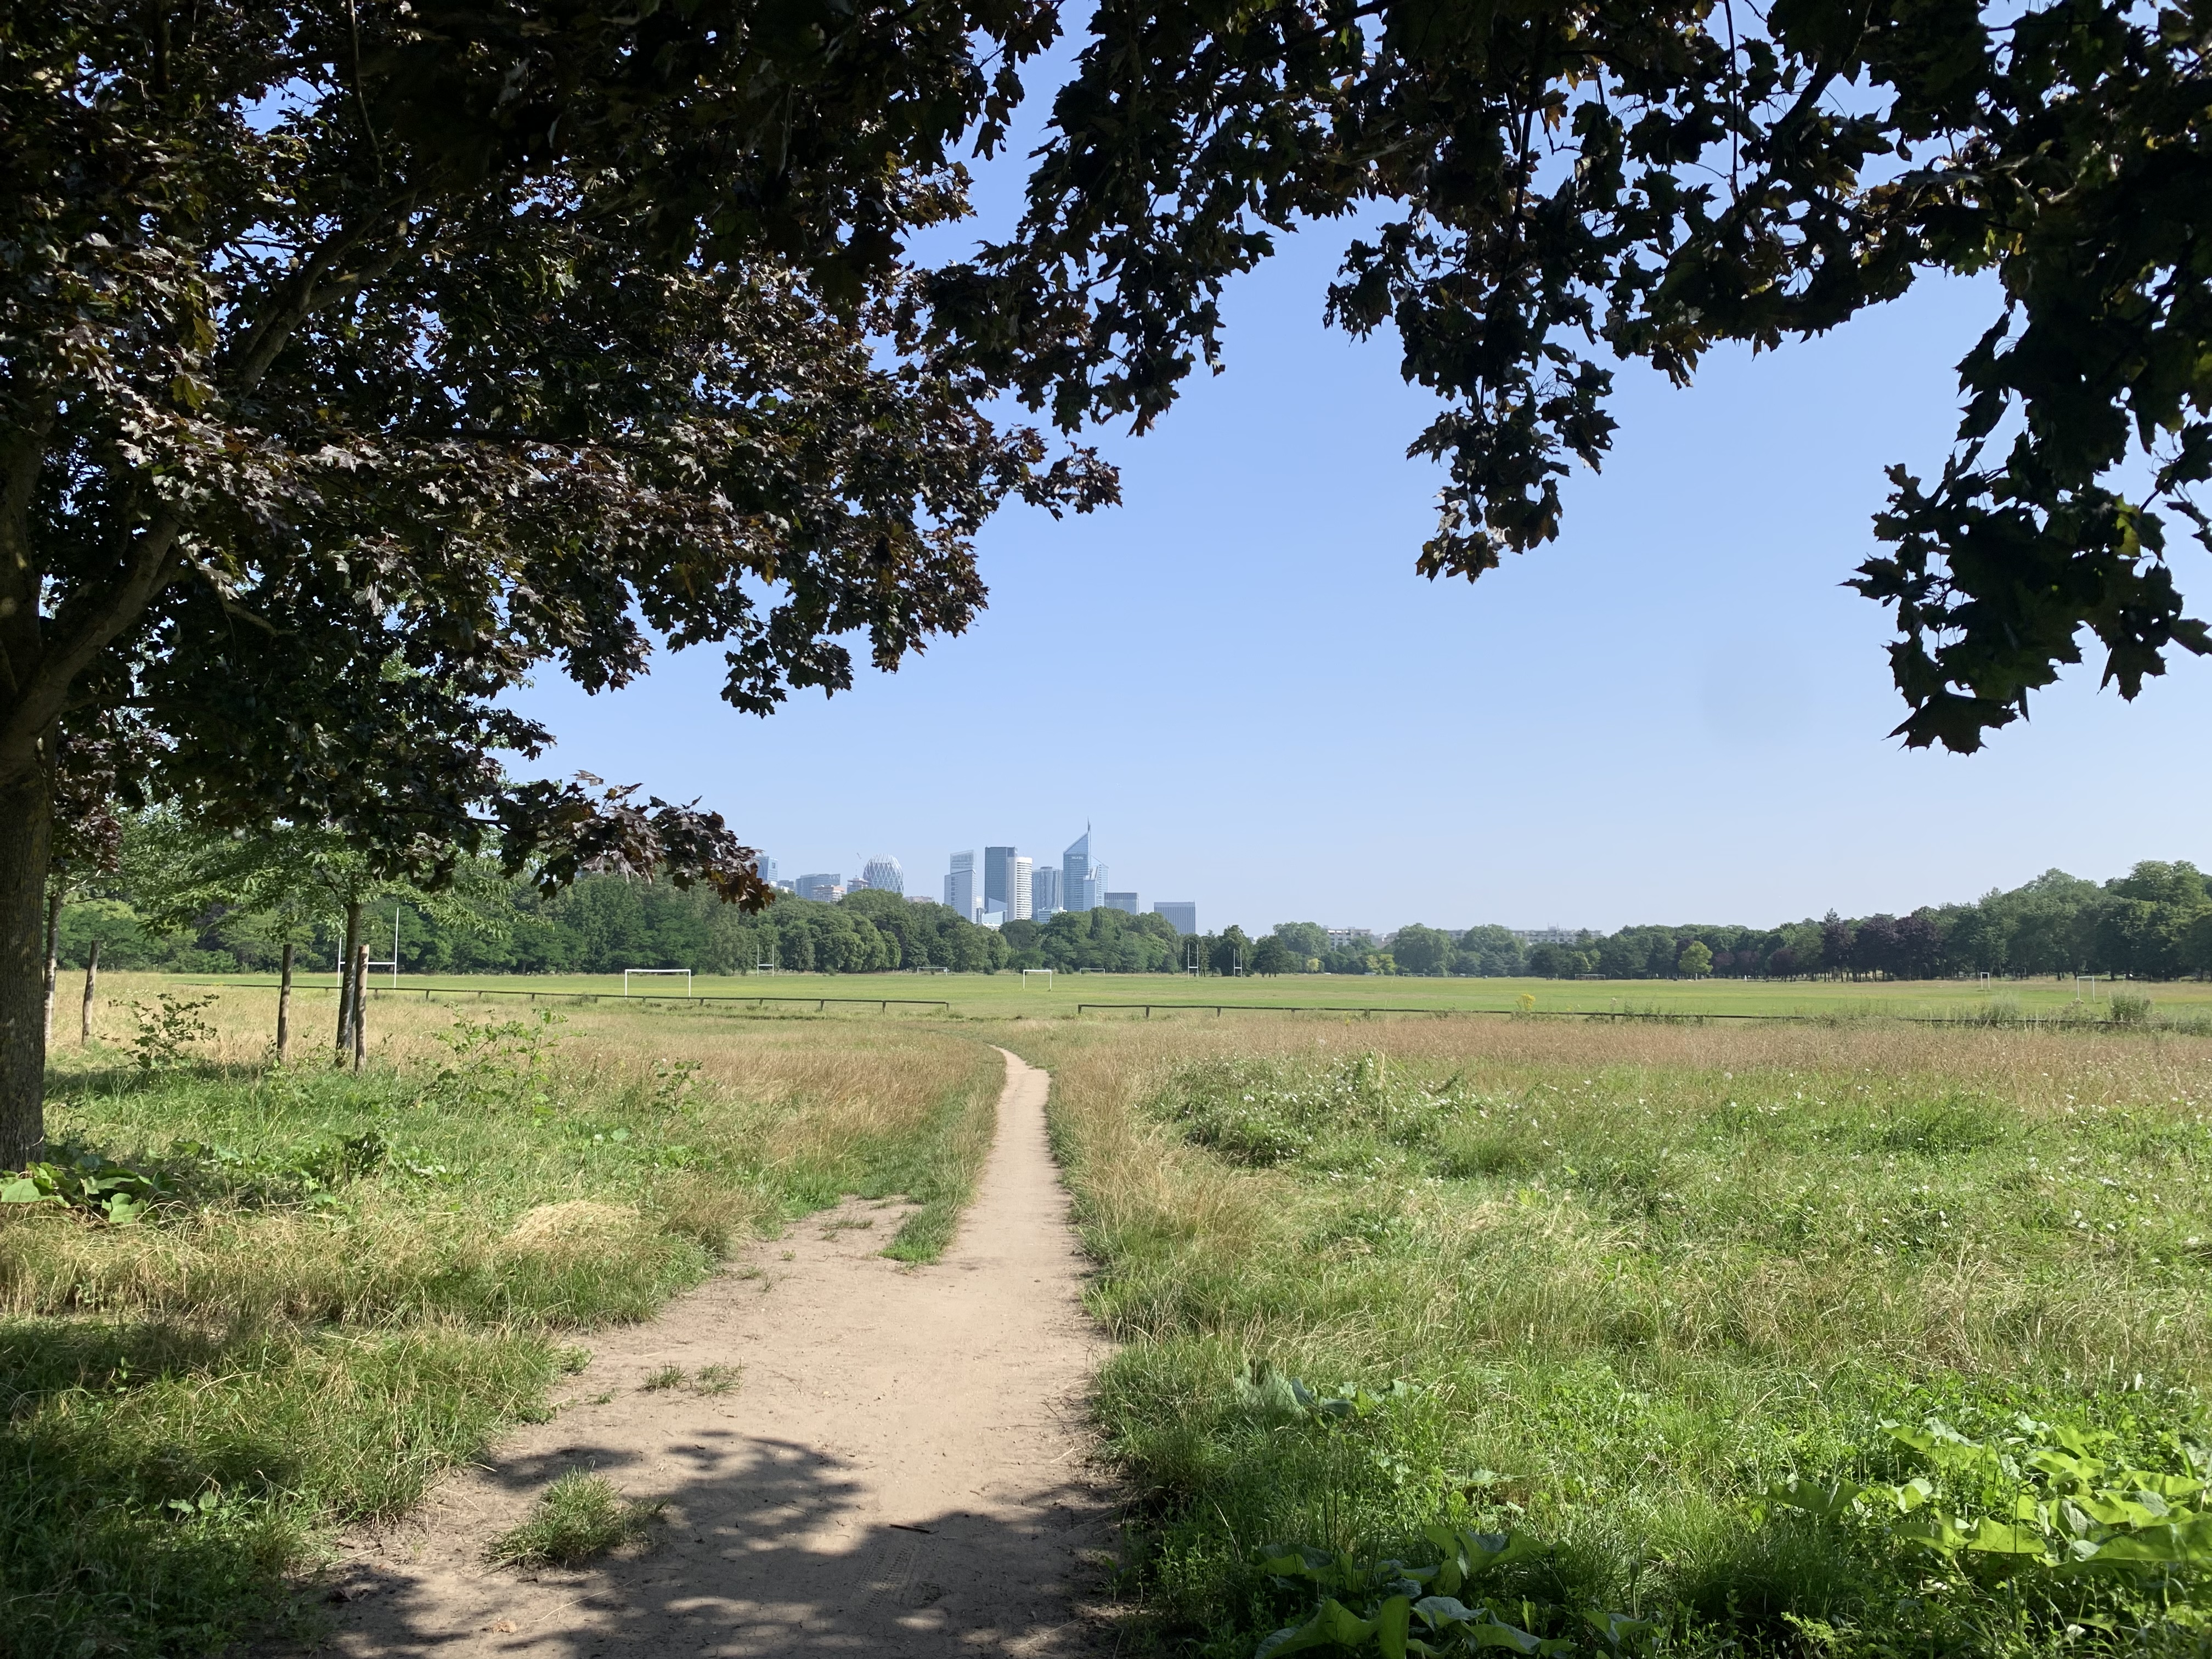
[[1230, 952], [295, 875], [1419, 950], [1695, 960]]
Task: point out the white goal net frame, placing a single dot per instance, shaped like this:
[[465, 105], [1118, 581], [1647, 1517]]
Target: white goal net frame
[[1026, 972], [653, 973]]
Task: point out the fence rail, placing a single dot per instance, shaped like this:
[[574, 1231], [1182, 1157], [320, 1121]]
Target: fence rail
[[463, 992], [1674, 1017], [885, 1004]]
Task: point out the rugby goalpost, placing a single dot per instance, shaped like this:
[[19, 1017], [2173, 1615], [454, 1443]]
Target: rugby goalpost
[[1026, 972], [649, 973]]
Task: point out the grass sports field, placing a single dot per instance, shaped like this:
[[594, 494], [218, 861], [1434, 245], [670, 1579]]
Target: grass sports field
[[1816, 1340], [1005, 996]]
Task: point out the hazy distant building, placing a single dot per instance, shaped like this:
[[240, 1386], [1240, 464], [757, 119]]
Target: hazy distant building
[[960, 885], [1044, 892], [1123, 902], [1551, 935], [829, 889], [1181, 916], [1351, 939], [766, 865], [884, 874], [999, 879], [1019, 900], [1080, 884]]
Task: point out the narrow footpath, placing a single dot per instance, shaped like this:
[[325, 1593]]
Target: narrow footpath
[[901, 1469]]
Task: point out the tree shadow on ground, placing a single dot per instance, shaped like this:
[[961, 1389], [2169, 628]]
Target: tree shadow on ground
[[761, 1552]]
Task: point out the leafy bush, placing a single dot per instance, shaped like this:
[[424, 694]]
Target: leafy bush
[[2067, 1519], [1419, 1610], [170, 1025], [114, 1192], [495, 1063], [2130, 1008]]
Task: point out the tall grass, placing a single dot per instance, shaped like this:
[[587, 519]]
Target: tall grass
[[357, 1281], [1633, 1276]]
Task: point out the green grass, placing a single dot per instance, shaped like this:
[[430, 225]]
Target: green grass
[[580, 1517], [1002, 996], [356, 1282], [1630, 1279]]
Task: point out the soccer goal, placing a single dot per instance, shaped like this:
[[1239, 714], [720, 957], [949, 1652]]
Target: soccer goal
[[1046, 972], [649, 973]]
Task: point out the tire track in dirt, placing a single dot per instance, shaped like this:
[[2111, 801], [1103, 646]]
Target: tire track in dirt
[[903, 1469]]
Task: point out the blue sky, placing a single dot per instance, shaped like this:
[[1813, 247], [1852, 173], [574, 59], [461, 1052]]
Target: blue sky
[[1672, 713]]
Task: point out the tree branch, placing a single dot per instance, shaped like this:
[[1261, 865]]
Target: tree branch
[[23, 456], [43, 694]]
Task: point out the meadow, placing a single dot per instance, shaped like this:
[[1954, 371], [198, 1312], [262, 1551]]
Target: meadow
[[1005, 996], [1802, 1339], [304, 1292], [1682, 1311]]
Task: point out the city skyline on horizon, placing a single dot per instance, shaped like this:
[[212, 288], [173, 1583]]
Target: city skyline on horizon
[[1667, 714]]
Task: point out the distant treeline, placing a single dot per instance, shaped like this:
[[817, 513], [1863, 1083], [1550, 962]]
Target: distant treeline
[[604, 924], [2155, 922]]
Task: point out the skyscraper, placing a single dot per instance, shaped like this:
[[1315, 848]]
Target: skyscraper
[[960, 885], [1017, 909], [1044, 892], [884, 874], [766, 865], [826, 888], [1183, 915], [999, 879], [1124, 902], [1078, 882]]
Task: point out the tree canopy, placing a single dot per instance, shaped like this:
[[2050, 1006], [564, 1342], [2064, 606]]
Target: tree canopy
[[1540, 187]]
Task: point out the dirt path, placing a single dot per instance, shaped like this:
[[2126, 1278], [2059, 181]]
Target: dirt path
[[902, 1470]]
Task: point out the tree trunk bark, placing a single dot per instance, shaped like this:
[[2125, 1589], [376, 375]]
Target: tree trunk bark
[[284, 1006], [360, 1005], [349, 986], [91, 989], [26, 841], [54, 955]]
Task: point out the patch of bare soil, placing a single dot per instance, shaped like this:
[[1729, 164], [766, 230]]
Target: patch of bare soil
[[902, 1468]]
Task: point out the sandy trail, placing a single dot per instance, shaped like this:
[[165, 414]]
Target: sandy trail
[[903, 1470]]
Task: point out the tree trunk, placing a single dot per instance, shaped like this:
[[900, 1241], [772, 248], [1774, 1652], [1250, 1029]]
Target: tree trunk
[[91, 989], [349, 984], [284, 1006], [53, 955], [360, 1005], [26, 840]]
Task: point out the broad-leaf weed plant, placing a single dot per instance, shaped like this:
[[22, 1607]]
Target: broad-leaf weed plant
[[242, 1305], [1659, 1326]]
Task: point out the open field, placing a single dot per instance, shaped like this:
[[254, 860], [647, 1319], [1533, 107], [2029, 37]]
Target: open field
[[1003, 996], [1610, 1285], [1607, 1285], [346, 1284]]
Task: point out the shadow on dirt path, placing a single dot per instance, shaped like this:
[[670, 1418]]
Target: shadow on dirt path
[[902, 1468]]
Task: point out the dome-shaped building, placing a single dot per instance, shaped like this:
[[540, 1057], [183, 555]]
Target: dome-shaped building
[[883, 873]]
